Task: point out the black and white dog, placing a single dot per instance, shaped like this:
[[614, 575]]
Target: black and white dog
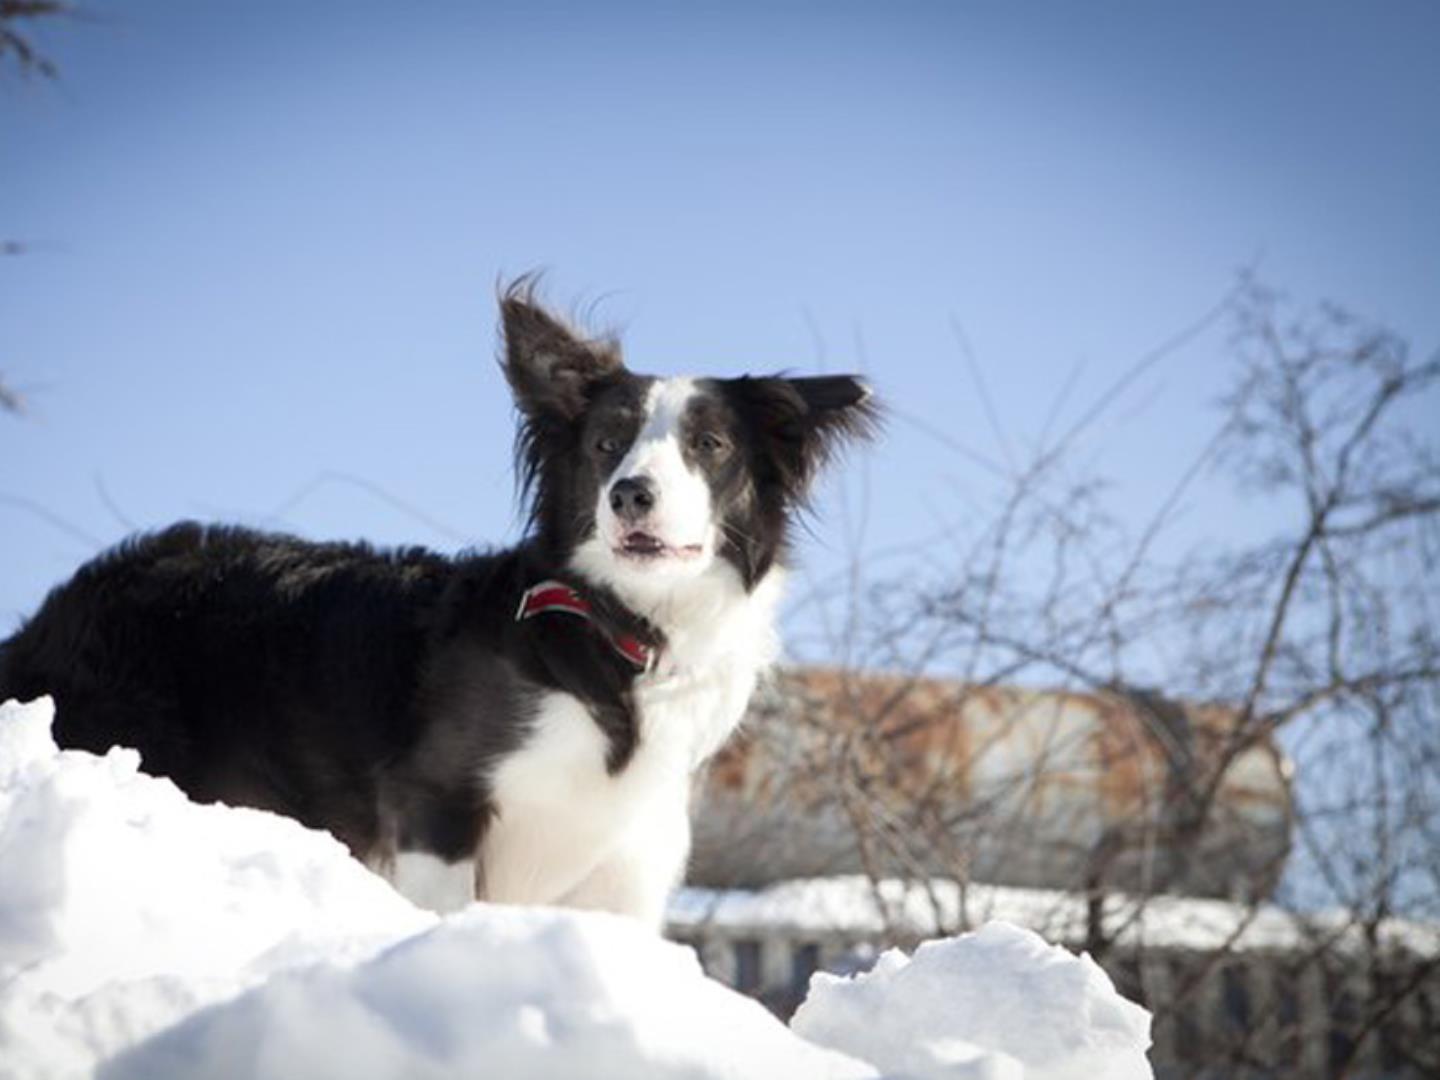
[[521, 726]]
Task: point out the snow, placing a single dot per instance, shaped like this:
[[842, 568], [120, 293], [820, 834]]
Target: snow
[[496, 992], [854, 907], [111, 872], [145, 936], [124, 906], [1040, 1012]]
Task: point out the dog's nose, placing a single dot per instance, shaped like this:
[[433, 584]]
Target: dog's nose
[[632, 498]]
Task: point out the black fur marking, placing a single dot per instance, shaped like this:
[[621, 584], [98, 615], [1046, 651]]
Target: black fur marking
[[775, 434]]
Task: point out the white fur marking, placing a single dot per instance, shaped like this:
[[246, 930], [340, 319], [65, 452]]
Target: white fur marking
[[683, 517], [684, 513], [559, 812], [566, 831]]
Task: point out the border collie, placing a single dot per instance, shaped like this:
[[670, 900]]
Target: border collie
[[519, 726]]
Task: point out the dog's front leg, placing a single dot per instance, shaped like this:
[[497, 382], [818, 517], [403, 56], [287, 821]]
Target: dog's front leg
[[647, 861]]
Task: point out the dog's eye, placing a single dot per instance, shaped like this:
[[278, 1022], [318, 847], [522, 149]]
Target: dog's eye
[[707, 442], [607, 444]]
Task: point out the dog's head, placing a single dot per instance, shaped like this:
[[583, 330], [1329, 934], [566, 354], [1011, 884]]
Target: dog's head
[[644, 483]]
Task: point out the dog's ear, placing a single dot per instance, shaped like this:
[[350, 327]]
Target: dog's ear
[[806, 421], [551, 370]]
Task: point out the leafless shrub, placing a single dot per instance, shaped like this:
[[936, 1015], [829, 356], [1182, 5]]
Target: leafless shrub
[[1318, 640], [15, 41]]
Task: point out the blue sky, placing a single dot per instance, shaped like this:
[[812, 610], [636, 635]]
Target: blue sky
[[265, 238]]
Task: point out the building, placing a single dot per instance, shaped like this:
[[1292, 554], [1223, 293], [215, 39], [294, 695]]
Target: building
[[857, 812]]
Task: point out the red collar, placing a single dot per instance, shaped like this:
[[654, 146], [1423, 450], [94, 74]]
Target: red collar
[[557, 596]]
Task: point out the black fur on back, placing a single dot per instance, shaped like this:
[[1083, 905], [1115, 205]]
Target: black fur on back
[[371, 692], [355, 690]]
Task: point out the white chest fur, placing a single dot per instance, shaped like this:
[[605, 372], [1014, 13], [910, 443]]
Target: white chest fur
[[566, 830]]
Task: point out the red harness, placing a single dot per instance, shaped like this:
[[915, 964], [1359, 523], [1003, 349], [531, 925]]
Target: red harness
[[557, 596]]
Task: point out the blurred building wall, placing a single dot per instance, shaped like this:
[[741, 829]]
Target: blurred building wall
[[838, 772]]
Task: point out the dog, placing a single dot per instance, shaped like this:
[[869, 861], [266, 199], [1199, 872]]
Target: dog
[[519, 726]]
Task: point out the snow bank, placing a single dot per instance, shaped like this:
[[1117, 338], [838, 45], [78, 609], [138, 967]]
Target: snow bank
[[148, 937], [144, 937], [504, 992], [998, 1003], [124, 906], [111, 874]]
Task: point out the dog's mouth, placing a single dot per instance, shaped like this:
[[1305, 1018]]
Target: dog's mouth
[[647, 547]]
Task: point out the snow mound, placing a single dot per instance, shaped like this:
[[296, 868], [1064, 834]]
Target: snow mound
[[142, 935], [112, 874], [125, 907], [997, 1003], [494, 991]]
